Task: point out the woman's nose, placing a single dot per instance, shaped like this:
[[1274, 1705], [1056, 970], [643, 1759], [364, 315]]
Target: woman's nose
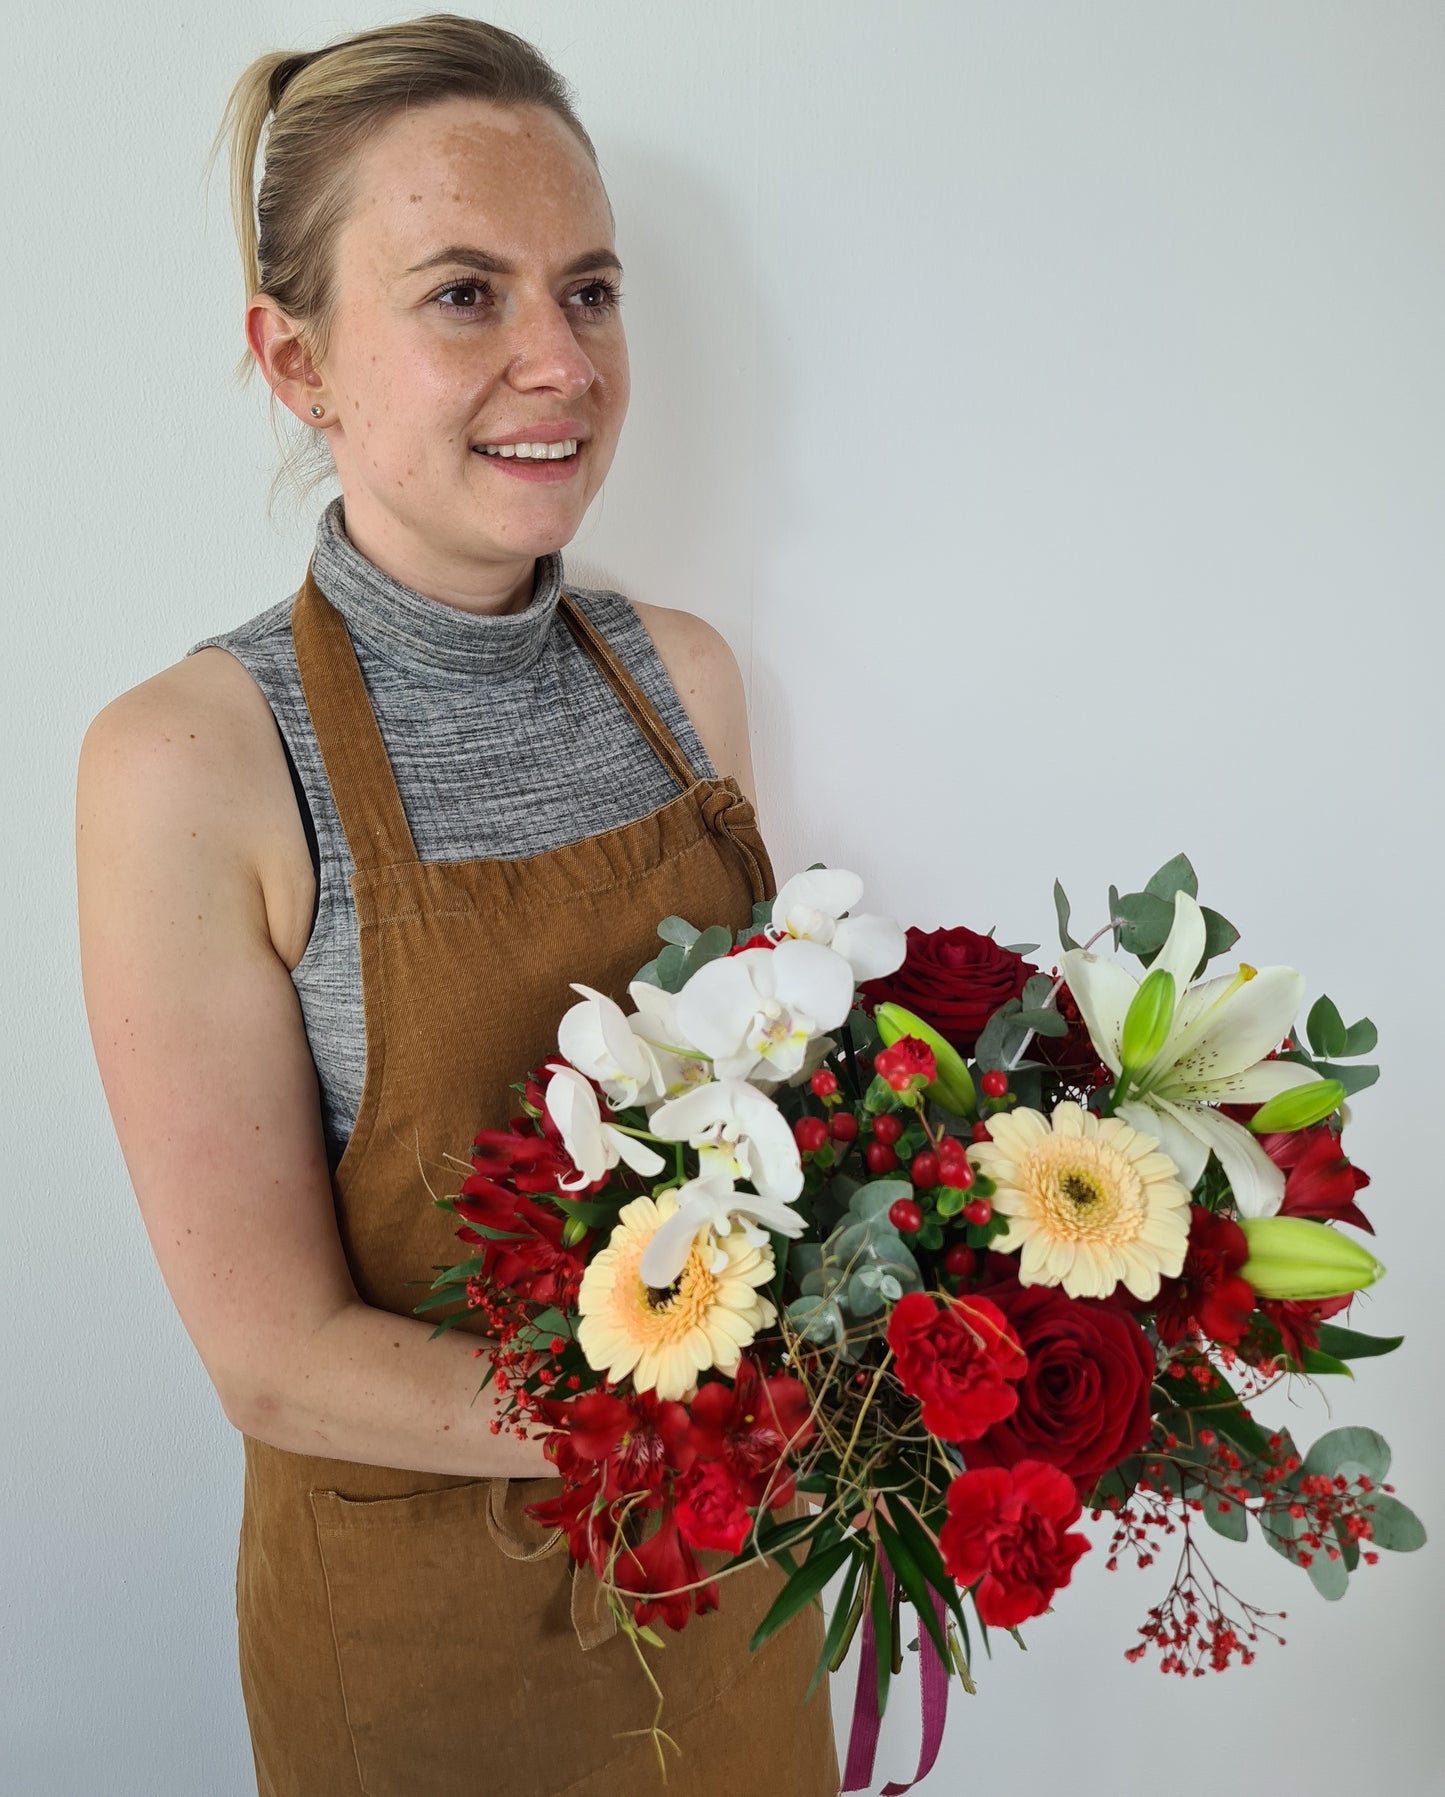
[[544, 348]]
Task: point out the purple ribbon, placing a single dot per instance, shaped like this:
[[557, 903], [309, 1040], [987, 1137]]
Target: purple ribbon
[[933, 1684]]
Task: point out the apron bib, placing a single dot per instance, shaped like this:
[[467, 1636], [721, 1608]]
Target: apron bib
[[414, 1634]]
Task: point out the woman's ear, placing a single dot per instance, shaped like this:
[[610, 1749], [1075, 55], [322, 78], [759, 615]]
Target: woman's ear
[[278, 346]]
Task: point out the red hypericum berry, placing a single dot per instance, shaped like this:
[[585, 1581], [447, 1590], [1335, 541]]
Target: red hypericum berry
[[824, 1083], [843, 1126], [960, 1177], [982, 1133], [880, 1157], [924, 1170], [978, 1210], [994, 1083], [960, 1260], [887, 1128], [810, 1133], [905, 1216]]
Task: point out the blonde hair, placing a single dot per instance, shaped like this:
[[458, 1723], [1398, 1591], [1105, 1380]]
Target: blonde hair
[[323, 106]]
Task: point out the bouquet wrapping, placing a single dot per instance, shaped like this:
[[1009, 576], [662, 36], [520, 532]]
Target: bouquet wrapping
[[892, 1257]]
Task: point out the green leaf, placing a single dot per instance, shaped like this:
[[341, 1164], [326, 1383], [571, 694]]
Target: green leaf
[[914, 1584], [882, 1628], [1147, 922], [1351, 1344], [670, 965], [1036, 991], [1043, 1023], [1354, 1078], [1174, 876], [801, 1589], [1326, 1028], [1349, 1451], [1360, 1038], [1316, 1362], [680, 931], [1219, 933], [1396, 1527], [929, 1560], [711, 945], [437, 1299], [1331, 1578], [842, 1616], [1231, 1522], [1114, 912], [1061, 906]]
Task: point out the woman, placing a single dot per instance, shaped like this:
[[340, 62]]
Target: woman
[[337, 867]]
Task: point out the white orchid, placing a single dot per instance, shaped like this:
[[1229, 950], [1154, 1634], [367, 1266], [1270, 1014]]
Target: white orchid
[[598, 1039], [1214, 1053], [710, 1202], [810, 906], [680, 1064], [757, 1011], [739, 1134], [594, 1146]]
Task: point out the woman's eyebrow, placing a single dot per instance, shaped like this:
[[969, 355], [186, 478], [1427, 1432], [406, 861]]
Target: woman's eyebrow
[[471, 257]]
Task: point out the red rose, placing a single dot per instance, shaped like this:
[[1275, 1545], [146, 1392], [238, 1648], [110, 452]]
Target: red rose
[[908, 1059], [710, 1508], [954, 979], [1006, 1527], [958, 1358], [1209, 1290], [1084, 1402]]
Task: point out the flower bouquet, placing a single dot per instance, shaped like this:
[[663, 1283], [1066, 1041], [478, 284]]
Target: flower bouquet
[[948, 1246]]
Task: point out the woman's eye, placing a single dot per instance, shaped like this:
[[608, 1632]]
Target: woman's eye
[[480, 287], [606, 294]]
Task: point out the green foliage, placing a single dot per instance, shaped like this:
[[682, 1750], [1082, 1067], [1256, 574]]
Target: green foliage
[[862, 1267]]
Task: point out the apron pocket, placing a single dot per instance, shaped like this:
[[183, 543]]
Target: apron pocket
[[451, 1656]]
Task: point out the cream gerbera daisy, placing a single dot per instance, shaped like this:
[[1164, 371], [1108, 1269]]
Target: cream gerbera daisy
[[1090, 1201], [666, 1337]]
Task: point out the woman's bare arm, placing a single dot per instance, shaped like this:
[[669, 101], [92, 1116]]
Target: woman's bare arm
[[181, 796]]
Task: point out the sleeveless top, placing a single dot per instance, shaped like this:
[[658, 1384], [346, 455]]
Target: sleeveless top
[[504, 737]]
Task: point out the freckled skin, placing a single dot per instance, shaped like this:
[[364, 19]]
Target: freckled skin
[[411, 380]]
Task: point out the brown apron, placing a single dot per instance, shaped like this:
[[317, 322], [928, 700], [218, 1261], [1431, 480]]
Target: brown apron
[[413, 1634]]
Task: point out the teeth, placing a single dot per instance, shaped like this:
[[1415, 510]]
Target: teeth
[[538, 452]]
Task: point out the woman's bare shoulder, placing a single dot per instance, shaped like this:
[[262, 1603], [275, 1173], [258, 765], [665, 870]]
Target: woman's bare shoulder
[[705, 673]]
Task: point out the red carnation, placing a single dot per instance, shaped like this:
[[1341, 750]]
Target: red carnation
[[1209, 1290], [1083, 1404], [710, 1508], [1319, 1181], [958, 1358], [1006, 1527], [751, 1426], [657, 1567], [954, 979]]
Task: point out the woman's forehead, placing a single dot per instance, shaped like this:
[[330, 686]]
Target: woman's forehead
[[452, 170]]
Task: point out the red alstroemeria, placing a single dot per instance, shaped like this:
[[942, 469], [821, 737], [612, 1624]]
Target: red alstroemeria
[[1209, 1291], [1298, 1320], [1006, 1528], [636, 1443], [751, 1426], [958, 1358], [589, 1536], [531, 1260], [1319, 1181], [710, 1508], [657, 1567]]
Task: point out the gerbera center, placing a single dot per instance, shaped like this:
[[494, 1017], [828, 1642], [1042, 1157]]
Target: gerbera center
[[1079, 1189]]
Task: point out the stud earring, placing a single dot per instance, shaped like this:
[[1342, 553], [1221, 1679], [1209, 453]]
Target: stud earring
[[316, 411]]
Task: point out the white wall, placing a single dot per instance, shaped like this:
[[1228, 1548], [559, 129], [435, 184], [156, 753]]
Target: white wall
[[1047, 402]]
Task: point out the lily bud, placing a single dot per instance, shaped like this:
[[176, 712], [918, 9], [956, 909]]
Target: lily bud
[[1292, 1257], [573, 1230], [952, 1088], [1148, 1020], [1299, 1107]]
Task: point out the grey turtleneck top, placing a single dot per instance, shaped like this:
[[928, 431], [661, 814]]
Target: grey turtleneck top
[[504, 737]]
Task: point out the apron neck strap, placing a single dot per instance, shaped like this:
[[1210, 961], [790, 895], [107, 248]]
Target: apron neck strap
[[643, 712], [347, 733]]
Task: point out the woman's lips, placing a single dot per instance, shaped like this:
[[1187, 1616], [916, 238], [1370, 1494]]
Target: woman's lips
[[526, 468]]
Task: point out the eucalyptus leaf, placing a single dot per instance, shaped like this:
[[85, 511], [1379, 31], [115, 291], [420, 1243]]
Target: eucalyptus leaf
[[1147, 922], [1360, 1038], [1175, 876], [1350, 1451], [1354, 1078], [670, 964], [1395, 1526], [1330, 1577], [1062, 911], [679, 930], [1019, 948], [1043, 1023], [1219, 933], [1036, 991], [1326, 1028], [1226, 1517]]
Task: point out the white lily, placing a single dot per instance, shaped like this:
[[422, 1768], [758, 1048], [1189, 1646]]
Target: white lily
[[598, 1039], [758, 1011], [594, 1146], [1214, 1053], [709, 1202], [681, 1065], [739, 1134], [810, 906]]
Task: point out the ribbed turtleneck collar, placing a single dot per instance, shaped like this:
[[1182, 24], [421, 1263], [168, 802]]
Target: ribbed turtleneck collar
[[425, 634]]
